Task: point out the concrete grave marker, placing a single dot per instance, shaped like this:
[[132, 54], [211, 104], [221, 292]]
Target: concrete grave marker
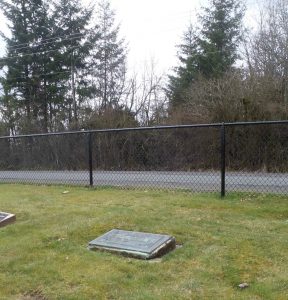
[[135, 244], [6, 218]]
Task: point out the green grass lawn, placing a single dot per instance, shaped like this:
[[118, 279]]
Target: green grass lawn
[[225, 242]]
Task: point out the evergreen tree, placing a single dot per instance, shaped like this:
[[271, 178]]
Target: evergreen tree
[[187, 72], [210, 50], [48, 46], [220, 37], [22, 62], [72, 21], [109, 60]]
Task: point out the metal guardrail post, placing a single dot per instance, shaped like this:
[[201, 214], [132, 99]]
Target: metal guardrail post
[[223, 159], [90, 158]]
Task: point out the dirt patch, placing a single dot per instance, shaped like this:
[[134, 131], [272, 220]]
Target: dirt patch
[[34, 295]]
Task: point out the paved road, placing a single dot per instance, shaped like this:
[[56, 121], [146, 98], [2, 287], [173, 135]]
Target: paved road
[[196, 181]]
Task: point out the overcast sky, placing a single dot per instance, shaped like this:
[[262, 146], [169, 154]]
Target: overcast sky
[[152, 28]]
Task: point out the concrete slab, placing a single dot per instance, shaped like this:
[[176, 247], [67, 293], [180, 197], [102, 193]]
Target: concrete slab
[[6, 218], [134, 244]]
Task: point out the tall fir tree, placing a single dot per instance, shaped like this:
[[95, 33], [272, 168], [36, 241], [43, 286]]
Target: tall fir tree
[[208, 51], [22, 89], [72, 20], [186, 73], [109, 60], [47, 47], [220, 37]]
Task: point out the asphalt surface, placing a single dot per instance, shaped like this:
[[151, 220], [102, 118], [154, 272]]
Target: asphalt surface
[[195, 181]]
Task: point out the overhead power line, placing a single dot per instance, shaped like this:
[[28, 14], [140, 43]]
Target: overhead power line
[[75, 35], [44, 44], [34, 53], [40, 75]]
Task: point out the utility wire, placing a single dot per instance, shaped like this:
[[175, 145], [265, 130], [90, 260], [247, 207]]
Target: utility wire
[[40, 52], [50, 39], [54, 61], [44, 44], [39, 75]]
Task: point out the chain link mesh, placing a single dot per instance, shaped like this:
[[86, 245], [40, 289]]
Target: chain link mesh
[[158, 159], [257, 158], [171, 158], [60, 159]]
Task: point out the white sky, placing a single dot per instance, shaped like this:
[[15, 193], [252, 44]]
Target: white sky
[[152, 28]]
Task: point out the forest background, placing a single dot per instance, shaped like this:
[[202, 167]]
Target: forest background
[[65, 68]]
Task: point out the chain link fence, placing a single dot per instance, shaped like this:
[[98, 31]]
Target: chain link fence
[[241, 157], [257, 158]]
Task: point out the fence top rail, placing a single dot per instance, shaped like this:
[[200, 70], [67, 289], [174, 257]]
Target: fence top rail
[[211, 125]]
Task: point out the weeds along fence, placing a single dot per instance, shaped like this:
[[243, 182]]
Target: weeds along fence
[[220, 157]]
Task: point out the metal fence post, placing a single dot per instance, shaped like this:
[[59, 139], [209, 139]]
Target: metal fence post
[[90, 158], [223, 159]]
